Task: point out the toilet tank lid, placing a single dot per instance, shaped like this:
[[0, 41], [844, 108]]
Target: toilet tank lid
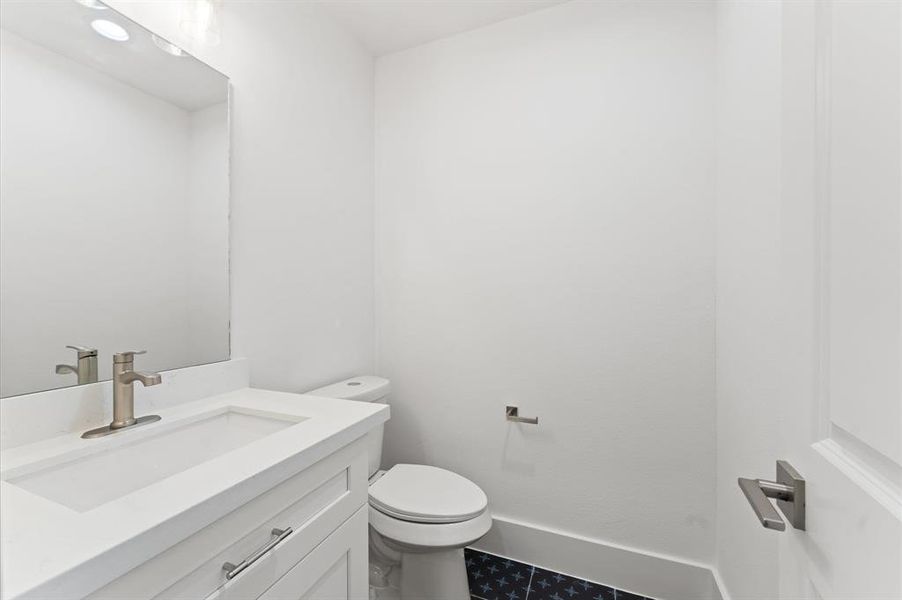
[[364, 388]]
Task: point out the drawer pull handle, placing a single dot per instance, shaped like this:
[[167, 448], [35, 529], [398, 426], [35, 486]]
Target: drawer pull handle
[[233, 570]]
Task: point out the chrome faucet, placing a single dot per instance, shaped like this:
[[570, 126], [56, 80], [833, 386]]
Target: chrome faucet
[[85, 368], [124, 377]]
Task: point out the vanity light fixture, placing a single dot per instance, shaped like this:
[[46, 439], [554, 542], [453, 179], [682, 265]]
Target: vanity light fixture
[[167, 46], [110, 30], [95, 4]]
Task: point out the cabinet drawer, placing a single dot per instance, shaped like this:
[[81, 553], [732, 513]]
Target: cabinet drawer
[[312, 503], [335, 570]]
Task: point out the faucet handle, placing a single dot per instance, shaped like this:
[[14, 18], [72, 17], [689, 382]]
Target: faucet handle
[[84, 351], [127, 356]]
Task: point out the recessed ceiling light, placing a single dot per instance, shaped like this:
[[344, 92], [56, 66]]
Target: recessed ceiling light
[[167, 46], [110, 30], [95, 4]]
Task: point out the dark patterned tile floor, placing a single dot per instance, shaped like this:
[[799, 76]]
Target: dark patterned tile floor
[[496, 578]]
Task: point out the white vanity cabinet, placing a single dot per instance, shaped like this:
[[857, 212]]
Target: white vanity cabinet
[[324, 556], [336, 568]]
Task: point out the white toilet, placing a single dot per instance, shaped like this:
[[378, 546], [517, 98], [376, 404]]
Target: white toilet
[[421, 517]]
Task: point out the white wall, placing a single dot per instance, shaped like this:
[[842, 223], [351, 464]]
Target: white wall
[[545, 237], [748, 249], [95, 206], [302, 177]]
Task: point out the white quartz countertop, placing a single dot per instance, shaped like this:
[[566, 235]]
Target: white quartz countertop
[[49, 551]]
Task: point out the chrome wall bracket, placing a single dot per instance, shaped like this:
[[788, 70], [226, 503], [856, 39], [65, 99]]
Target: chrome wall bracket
[[788, 490], [513, 414]]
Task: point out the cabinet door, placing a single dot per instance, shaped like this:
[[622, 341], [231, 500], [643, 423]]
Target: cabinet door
[[314, 503], [335, 570]]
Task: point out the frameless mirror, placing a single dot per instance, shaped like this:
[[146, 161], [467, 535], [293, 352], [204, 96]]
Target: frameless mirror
[[114, 196]]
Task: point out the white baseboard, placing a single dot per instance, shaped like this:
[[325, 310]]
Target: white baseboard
[[646, 574], [720, 587]]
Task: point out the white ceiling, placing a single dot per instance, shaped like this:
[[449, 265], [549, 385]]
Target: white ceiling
[[385, 26]]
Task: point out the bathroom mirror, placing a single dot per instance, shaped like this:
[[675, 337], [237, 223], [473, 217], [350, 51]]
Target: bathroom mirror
[[114, 197]]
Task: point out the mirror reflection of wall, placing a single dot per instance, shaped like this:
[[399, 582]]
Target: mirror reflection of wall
[[113, 197]]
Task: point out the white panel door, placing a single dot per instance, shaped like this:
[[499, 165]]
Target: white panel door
[[841, 404]]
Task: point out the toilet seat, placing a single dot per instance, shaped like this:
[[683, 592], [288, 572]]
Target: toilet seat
[[426, 494], [407, 536], [420, 507]]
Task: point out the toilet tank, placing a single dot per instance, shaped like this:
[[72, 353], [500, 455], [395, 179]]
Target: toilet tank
[[364, 388]]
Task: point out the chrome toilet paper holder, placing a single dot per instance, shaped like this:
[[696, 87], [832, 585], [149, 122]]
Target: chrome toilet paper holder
[[513, 414]]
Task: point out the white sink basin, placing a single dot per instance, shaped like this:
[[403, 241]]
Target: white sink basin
[[116, 466]]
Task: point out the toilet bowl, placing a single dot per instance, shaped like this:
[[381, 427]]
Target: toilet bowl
[[421, 517]]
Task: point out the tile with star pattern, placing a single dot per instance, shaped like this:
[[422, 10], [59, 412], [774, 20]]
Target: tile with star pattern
[[541, 584], [549, 585], [496, 578]]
